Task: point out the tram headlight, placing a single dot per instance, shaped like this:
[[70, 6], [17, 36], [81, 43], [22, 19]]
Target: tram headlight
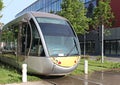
[[59, 62]]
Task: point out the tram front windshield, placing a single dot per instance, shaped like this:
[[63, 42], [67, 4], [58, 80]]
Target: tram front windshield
[[59, 37]]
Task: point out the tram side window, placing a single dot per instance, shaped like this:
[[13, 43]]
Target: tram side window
[[37, 47]]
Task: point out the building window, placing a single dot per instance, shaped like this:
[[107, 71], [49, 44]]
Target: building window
[[89, 47], [85, 1], [112, 47], [107, 47], [118, 47]]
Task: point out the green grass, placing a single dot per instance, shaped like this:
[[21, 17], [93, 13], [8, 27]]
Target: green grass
[[8, 76], [11, 75], [95, 66]]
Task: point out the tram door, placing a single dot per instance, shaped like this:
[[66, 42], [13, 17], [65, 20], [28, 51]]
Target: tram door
[[31, 41], [24, 41]]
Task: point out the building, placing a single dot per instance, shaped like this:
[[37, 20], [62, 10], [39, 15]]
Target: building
[[43, 6], [93, 39], [112, 42], [111, 39], [48, 6]]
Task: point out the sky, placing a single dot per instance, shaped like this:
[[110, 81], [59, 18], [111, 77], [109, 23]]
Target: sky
[[12, 7]]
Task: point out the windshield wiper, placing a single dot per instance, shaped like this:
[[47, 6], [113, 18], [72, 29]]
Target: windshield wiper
[[75, 45], [70, 51]]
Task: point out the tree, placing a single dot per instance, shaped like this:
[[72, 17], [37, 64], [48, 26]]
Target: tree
[[102, 14], [102, 17], [75, 12], [1, 6], [1, 24]]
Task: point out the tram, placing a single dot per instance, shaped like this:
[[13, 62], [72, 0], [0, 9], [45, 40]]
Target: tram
[[46, 42]]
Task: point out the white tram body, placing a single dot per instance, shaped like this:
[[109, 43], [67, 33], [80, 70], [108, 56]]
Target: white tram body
[[46, 42]]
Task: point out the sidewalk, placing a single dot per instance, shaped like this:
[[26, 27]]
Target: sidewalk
[[112, 59], [31, 83]]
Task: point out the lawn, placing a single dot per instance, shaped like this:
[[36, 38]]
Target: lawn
[[11, 75], [94, 65]]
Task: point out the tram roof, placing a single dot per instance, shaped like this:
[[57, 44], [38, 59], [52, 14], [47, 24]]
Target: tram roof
[[43, 14], [35, 14]]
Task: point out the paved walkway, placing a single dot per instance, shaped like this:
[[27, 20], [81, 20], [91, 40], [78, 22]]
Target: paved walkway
[[112, 59], [31, 83]]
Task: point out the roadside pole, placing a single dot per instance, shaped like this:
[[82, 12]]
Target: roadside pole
[[86, 66], [85, 61], [102, 50], [24, 72]]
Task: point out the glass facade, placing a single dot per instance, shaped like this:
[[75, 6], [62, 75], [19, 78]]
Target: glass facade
[[85, 1], [89, 47], [43, 6], [112, 47], [49, 6]]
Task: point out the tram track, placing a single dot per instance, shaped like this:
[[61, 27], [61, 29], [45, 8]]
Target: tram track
[[95, 82], [51, 82], [71, 80]]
